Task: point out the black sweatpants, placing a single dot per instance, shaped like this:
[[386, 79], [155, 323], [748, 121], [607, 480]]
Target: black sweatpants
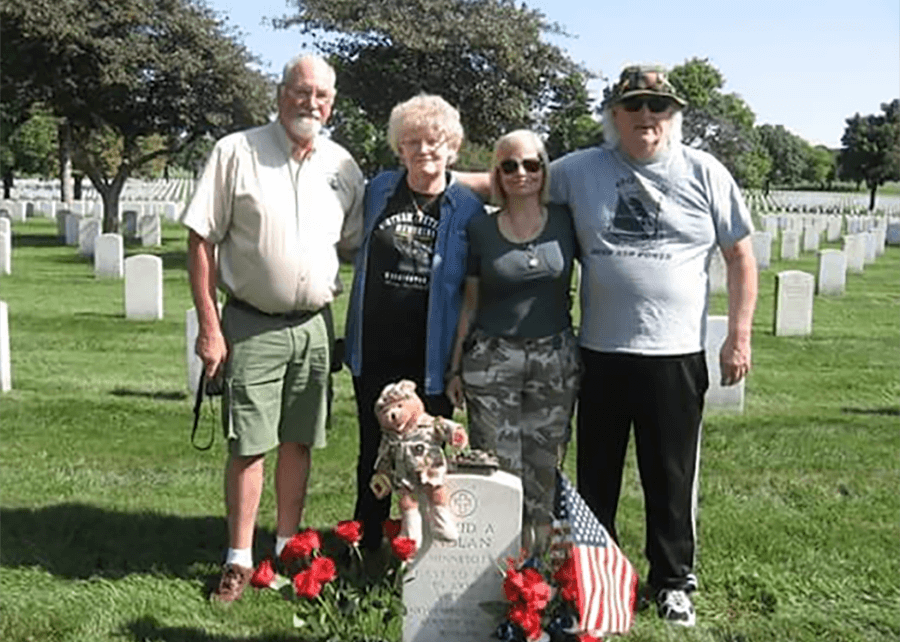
[[662, 397], [368, 386]]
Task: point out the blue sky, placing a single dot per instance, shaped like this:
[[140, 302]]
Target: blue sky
[[802, 64]]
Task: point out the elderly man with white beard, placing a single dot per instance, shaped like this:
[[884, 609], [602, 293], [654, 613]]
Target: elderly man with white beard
[[649, 213], [276, 208]]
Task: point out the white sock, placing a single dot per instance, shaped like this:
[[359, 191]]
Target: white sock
[[280, 543], [240, 556]]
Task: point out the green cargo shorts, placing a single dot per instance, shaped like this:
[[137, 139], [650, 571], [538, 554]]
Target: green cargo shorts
[[276, 380]]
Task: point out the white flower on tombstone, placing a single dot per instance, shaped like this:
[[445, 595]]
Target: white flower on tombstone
[[144, 287], [832, 276], [793, 303]]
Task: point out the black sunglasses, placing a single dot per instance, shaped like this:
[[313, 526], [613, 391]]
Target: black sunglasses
[[656, 104], [511, 165]]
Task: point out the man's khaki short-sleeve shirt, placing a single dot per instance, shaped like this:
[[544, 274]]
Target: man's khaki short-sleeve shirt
[[278, 225]]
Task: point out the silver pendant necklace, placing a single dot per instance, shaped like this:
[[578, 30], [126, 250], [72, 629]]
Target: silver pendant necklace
[[531, 255]]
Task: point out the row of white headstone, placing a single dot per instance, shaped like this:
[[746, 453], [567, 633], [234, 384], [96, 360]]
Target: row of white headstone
[[143, 283]]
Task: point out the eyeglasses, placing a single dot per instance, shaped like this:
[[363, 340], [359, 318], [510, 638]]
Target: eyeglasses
[[655, 104], [307, 93], [511, 165]]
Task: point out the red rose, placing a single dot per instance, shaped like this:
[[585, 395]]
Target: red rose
[[264, 574], [391, 528], [536, 592], [567, 580], [403, 548], [323, 569], [513, 585], [349, 531], [306, 585], [301, 545], [528, 619]]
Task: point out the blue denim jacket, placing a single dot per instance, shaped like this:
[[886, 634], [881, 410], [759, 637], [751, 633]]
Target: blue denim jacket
[[448, 272]]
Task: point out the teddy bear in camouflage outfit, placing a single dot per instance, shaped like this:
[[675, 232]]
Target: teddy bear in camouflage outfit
[[411, 460]]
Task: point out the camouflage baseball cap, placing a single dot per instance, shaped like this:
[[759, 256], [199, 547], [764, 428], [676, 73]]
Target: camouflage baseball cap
[[642, 80]]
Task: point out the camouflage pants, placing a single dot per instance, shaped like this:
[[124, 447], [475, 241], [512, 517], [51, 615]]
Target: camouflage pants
[[520, 395]]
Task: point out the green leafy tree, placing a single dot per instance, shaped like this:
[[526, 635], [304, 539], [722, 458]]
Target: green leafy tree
[[485, 57], [719, 123], [788, 153], [871, 148], [820, 166], [120, 72], [570, 120]]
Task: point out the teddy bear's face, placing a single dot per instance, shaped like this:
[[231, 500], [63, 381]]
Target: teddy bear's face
[[401, 416]]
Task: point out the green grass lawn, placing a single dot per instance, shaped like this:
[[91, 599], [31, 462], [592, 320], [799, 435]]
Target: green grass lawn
[[111, 524]]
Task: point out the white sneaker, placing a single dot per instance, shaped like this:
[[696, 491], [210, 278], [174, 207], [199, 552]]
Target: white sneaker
[[675, 607]]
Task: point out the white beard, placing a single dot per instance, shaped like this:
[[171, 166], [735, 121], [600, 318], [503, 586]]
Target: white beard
[[305, 127]]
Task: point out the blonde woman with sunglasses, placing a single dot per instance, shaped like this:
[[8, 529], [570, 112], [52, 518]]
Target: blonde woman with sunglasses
[[515, 363]]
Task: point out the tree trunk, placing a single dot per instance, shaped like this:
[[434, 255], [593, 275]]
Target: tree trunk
[[65, 162], [77, 180], [872, 190], [111, 209], [7, 183]]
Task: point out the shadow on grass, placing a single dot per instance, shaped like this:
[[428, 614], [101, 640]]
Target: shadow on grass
[[162, 395], [78, 541], [37, 240], [887, 411], [147, 629]]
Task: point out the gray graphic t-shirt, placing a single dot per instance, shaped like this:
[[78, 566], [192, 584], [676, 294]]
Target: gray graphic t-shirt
[[647, 233]]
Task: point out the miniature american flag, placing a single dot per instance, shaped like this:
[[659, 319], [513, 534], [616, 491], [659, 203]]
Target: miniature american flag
[[607, 583]]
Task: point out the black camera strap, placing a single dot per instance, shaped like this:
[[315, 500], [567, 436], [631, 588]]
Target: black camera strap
[[198, 405]]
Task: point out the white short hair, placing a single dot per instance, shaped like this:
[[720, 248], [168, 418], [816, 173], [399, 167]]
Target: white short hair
[[290, 67]]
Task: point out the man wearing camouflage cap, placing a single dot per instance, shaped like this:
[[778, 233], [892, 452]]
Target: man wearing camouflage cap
[[649, 213]]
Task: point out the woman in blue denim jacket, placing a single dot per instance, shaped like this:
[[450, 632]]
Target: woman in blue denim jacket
[[408, 280]]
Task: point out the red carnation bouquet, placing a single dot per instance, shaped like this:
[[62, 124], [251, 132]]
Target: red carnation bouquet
[[336, 598]]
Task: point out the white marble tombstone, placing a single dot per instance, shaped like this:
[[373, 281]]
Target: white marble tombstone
[[718, 280], [793, 303], [762, 249], [72, 225], [869, 241], [892, 233], [855, 251], [61, 215], [447, 582], [194, 364], [109, 257], [5, 249], [770, 224], [149, 230], [5, 369], [833, 231], [129, 223], [790, 245], [143, 287], [18, 211], [810, 238], [719, 397], [832, 276], [880, 239], [88, 230]]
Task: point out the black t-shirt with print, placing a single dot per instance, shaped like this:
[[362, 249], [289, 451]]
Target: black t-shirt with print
[[398, 277]]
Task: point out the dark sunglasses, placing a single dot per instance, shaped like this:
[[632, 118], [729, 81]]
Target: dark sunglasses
[[511, 165], [656, 104]]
